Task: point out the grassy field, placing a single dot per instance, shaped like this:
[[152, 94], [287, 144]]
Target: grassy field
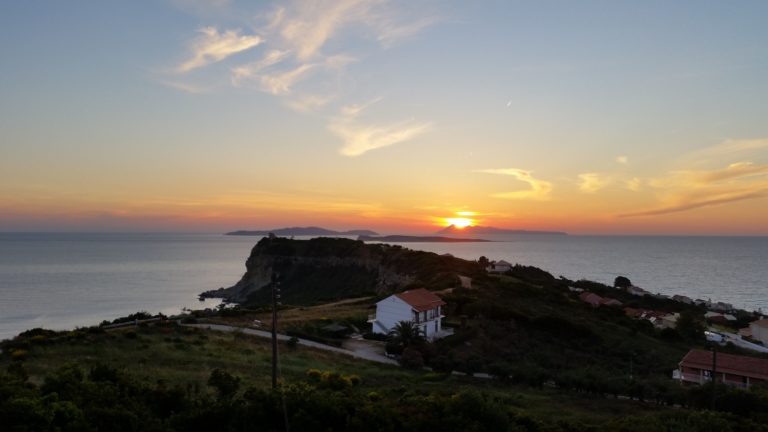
[[185, 357], [356, 309]]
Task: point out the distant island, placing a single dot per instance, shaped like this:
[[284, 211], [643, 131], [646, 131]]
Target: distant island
[[418, 239], [302, 231], [481, 230]]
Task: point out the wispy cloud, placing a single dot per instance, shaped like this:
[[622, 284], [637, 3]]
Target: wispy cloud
[[539, 189], [186, 87], [280, 83], [622, 160], [732, 146], [592, 182], [308, 102], [391, 33], [302, 65], [360, 138], [694, 201], [252, 70], [688, 190], [634, 184], [212, 46]]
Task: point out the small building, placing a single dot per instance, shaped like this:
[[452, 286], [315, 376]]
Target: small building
[[722, 307], [719, 318], [682, 299], [636, 291], [595, 300], [699, 366], [591, 299], [660, 320], [420, 306], [667, 320], [759, 331], [500, 266]]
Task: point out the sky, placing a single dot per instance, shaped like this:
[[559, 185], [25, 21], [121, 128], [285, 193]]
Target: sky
[[591, 117]]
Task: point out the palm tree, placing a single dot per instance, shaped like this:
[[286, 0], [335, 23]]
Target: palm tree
[[406, 333]]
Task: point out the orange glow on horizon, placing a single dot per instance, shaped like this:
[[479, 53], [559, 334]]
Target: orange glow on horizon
[[459, 222]]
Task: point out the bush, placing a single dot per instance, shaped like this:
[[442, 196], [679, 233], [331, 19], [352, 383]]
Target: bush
[[19, 354], [375, 336], [412, 359], [292, 342], [224, 383]]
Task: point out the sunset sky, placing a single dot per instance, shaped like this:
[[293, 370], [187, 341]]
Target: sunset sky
[[606, 117]]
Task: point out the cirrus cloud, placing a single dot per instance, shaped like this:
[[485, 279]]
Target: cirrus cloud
[[539, 189], [212, 46]]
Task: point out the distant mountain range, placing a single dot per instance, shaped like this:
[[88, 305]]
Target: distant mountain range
[[417, 239], [481, 230], [303, 231]]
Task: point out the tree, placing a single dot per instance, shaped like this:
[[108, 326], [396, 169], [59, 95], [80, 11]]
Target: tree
[[225, 383], [691, 326], [406, 333], [484, 262], [622, 282]]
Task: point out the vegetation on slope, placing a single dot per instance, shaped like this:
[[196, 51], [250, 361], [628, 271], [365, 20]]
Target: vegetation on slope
[[171, 378]]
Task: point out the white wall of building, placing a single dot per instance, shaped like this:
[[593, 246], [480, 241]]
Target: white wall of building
[[392, 310], [759, 333]]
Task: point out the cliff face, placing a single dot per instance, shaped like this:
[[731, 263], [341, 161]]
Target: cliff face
[[329, 268]]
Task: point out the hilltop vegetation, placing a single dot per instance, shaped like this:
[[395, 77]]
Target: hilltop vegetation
[[327, 269], [170, 378]]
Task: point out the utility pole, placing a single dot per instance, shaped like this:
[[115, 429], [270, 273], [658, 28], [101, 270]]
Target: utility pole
[[275, 295], [714, 375]]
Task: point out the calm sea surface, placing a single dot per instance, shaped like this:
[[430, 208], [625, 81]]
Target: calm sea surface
[[62, 281]]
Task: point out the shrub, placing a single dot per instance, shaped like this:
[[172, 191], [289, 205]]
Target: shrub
[[19, 354], [224, 383], [412, 359]]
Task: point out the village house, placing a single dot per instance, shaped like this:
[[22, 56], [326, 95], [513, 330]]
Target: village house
[[736, 370], [500, 266], [595, 300], [682, 299], [722, 307], [636, 291], [421, 307], [719, 318], [759, 331], [660, 320]]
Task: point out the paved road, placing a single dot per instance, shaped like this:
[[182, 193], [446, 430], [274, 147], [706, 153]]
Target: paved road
[[739, 342], [358, 350]]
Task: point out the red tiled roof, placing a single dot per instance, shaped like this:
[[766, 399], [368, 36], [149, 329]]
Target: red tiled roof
[[590, 298], [727, 363], [421, 299]]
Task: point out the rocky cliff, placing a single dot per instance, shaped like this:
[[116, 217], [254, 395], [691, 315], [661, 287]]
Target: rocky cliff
[[323, 269]]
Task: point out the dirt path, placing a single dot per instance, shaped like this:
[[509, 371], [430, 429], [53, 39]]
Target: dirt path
[[359, 349]]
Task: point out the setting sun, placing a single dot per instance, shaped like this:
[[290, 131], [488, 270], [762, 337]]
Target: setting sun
[[459, 222]]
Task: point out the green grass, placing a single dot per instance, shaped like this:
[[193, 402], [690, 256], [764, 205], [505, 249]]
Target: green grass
[[185, 357]]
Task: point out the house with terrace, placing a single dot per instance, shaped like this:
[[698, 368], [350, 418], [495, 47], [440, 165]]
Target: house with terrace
[[421, 307], [699, 367]]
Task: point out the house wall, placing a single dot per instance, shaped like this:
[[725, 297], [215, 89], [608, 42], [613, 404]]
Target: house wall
[[389, 312], [392, 310], [759, 333]]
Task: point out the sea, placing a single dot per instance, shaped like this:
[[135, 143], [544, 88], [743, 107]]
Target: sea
[[68, 280]]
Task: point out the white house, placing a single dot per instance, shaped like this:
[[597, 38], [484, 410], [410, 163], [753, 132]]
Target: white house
[[759, 330], [500, 266], [420, 306]]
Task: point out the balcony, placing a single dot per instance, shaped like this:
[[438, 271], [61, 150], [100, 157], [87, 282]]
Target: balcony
[[700, 379]]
